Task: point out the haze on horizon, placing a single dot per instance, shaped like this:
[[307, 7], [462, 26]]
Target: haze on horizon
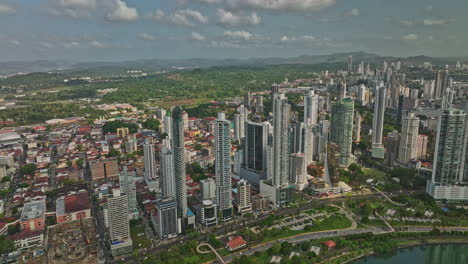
[[118, 30]]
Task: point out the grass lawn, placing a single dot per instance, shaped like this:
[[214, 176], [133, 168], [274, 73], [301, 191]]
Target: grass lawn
[[375, 174], [139, 237]]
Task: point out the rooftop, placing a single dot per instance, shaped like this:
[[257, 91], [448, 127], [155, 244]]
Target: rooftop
[[33, 210]]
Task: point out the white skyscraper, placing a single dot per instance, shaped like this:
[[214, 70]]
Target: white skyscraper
[[119, 226], [149, 160], [168, 185], [223, 166], [127, 187], [378, 122], [244, 205], [178, 151], [167, 121], [408, 149], [281, 119], [311, 108]]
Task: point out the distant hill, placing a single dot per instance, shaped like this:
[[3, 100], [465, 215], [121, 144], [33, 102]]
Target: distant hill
[[10, 68]]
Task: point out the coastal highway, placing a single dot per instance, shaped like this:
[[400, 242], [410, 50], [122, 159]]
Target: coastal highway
[[324, 234]]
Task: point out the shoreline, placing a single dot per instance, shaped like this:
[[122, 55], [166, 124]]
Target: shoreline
[[422, 244]]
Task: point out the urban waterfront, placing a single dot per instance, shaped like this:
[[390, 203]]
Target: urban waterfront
[[433, 254]]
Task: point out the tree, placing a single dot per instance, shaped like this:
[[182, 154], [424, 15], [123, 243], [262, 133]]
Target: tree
[[152, 124], [28, 169], [113, 153], [6, 179], [6, 245]]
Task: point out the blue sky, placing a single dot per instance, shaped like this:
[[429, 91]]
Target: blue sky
[[116, 30]]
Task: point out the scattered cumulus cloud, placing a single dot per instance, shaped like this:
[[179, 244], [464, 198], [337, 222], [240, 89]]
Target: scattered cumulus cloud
[[73, 8], [198, 37], [243, 35], [353, 12], [228, 18], [121, 12], [6, 9], [45, 44], [185, 17], [96, 44], [282, 5], [410, 37], [71, 44], [432, 22], [147, 36], [209, 1], [406, 23], [15, 42]]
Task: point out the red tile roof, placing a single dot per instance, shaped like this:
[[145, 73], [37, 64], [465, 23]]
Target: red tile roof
[[236, 242], [76, 202], [329, 244]]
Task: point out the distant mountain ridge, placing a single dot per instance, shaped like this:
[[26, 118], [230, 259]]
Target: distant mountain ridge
[[12, 68]]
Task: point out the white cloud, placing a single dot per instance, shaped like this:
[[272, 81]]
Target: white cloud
[[431, 22], [228, 18], [195, 15], [96, 44], [309, 37], [286, 39], [406, 23], [184, 17], [73, 8], [282, 5], [122, 13], [45, 44], [147, 36], [197, 36], [225, 44], [353, 12], [410, 37], [15, 42], [71, 44], [6, 10], [209, 1], [243, 35]]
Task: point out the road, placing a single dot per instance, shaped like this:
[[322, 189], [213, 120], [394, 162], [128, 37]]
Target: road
[[240, 223], [325, 234]]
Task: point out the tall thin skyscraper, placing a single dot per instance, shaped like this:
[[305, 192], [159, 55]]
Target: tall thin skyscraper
[[350, 64], [223, 166], [408, 149], [281, 119], [311, 107], [178, 150], [449, 147], [357, 128], [341, 131], [119, 226], [447, 172], [149, 156], [256, 144], [378, 122], [168, 184], [128, 187], [167, 121]]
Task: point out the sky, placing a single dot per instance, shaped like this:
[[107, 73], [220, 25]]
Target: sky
[[118, 30]]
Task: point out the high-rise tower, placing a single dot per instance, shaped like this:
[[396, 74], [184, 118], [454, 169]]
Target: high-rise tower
[[341, 131], [409, 138], [178, 150], [378, 122], [223, 166]]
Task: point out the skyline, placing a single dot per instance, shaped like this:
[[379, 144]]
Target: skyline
[[118, 30]]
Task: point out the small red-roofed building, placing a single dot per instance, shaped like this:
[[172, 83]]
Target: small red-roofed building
[[235, 242], [73, 207], [329, 244]]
